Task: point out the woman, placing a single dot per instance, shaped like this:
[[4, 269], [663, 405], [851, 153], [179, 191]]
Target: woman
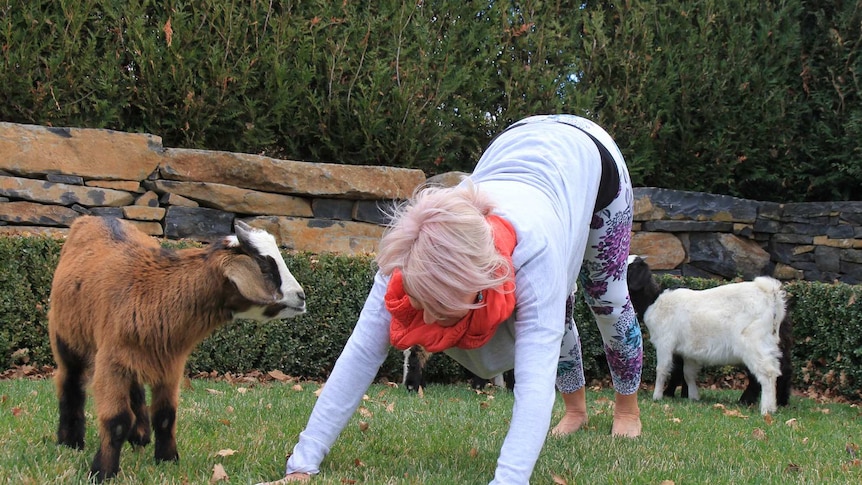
[[485, 272]]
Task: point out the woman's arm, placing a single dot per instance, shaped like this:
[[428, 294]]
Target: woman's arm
[[538, 332], [355, 369]]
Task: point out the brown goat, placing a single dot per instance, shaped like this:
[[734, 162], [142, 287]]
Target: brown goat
[[126, 312]]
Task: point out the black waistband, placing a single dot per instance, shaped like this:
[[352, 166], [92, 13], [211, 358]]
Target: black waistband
[[609, 184]]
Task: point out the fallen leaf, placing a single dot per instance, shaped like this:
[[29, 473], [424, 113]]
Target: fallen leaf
[[219, 475], [169, 32], [558, 480], [229, 409], [675, 420], [792, 423], [759, 434], [17, 411], [226, 452], [768, 418], [358, 463], [421, 392], [365, 412], [225, 422], [242, 390], [390, 407], [214, 391], [318, 391], [279, 375], [734, 413], [667, 482], [792, 467], [348, 481], [363, 426], [474, 452]]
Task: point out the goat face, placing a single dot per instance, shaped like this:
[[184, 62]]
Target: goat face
[[280, 296]]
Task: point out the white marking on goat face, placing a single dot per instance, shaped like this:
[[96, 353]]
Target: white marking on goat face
[[290, 298]]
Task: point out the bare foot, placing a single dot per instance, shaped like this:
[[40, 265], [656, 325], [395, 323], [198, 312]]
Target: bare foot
[[293, 477], [571, 422], [626, 425], [627, 416]]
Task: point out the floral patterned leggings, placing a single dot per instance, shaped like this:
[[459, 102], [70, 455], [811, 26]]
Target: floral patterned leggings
[[603, 280]]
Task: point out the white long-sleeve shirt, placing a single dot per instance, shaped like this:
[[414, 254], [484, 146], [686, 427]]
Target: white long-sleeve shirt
[[544, 177]]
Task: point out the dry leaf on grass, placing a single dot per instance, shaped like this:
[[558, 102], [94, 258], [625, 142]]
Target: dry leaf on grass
[[363, 411], [792, 422], [226, 452], [214, 391], [363, 426], [558, 480], [758, 434], [219, 475], [296, 387], [279, 376], [474, 452]]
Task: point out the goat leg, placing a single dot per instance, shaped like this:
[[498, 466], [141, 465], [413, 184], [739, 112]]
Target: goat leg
[[164, 413], [140, 434], [111, 387], [690, 370]]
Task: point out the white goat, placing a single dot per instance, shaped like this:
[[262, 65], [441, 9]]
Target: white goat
[[129, 312], [737, 323]]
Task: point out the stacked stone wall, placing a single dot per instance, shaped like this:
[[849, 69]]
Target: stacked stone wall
[[50, 176]]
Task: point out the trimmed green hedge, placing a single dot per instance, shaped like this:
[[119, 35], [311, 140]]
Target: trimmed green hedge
[[750, 99], [827, 323]]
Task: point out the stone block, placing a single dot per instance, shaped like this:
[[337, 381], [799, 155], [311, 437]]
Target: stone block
[[197, 223], [62, 194], [290, 177], [89, 153], [728, 256], [148, 199], [31, 213], [828, 259], [149, 227], [176, 199], [236, 199], [144, 213], [662, 251], [685, 205], [339, 209], [124, 185], [321, 236], [688, 226], [786, 272], [373, 211], [107, 212], [64, 179]]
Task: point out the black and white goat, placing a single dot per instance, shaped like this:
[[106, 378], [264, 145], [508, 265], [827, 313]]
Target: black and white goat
[[128, 312], [737, 323], [416, 359]]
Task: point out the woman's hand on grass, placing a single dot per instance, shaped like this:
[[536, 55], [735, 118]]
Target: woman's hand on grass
[[293, 477]]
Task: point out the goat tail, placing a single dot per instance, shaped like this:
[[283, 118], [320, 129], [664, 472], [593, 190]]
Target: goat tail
[[772, 288]]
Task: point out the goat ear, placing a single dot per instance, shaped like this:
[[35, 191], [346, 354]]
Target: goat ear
[[243, 230], [246, 275]]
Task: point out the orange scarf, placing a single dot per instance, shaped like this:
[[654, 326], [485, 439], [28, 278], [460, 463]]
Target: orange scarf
[[408, 327]]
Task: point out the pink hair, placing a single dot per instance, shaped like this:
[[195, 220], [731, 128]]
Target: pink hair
[[444, 248]]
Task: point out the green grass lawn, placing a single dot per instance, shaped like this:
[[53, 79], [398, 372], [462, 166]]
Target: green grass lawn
[[451, 435]]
